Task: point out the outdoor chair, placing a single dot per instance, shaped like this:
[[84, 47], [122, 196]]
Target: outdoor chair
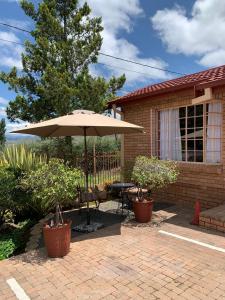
[[83, 197], [101, 194]]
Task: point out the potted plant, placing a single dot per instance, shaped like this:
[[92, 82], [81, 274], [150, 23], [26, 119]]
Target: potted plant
[[53, 185], [153, 174]]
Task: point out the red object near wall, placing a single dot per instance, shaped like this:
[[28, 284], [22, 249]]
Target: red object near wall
[[195, 220]]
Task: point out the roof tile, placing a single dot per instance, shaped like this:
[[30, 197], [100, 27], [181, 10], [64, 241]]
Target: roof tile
[[207, 76]]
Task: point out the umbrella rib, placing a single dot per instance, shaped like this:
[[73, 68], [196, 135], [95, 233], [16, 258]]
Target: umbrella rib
[[53, 131], [97, 131]]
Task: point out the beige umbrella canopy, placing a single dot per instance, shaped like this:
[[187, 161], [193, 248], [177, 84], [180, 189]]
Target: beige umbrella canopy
[[75, 123], [83, 123]]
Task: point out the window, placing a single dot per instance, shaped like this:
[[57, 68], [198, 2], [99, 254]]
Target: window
[[191, 133]]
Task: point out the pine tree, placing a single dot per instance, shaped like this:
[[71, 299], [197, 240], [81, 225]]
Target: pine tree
[[55, 79], [2, 133]]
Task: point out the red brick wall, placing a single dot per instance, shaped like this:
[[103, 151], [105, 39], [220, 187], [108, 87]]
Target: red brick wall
[[205, 182]]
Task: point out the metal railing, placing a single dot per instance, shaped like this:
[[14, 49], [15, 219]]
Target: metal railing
[[102, 168]]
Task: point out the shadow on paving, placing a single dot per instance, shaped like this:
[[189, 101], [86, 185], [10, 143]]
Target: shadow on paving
[[182, 217], [107, 219]]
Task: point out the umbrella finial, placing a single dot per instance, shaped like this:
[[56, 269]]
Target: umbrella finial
[[82, 111]]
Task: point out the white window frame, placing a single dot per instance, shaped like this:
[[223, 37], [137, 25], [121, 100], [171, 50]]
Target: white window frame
[[205, 114]]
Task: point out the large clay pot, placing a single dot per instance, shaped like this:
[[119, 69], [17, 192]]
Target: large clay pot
[[57, 239], [143, 210]]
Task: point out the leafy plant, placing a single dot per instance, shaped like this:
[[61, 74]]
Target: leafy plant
[[8, 184], [50, 185], [15, 240], [2, 133], [153, 173], [20, 159]]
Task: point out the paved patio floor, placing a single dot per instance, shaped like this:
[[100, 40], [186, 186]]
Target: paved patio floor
[[126, 261]]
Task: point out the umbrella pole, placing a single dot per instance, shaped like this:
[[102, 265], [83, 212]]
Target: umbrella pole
[[86, 175]]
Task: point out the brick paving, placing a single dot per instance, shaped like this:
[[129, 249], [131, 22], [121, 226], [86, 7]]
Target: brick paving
[[124, 262]]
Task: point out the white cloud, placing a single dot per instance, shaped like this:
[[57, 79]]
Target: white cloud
[[10, 53], [3, 101], [2, 112], [119, 16], [199, 34]]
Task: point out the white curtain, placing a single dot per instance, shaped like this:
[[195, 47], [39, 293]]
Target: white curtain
[[170, 138], [213, 141]]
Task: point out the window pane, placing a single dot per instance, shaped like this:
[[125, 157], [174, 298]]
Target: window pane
[[190, 144], [199, 156], [190, 156], [199, 122], [199, 145], [183, 145], [182, 112], [190, 122], [191, 133], [191, 111], [199, 133], [183, 156], [199, 110], [183, 133], [182, 123]]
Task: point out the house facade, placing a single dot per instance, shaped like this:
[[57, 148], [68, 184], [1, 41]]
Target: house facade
[[184, 121]]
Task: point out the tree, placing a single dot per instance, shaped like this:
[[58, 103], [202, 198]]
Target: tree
[[55, 79], [2, 133]]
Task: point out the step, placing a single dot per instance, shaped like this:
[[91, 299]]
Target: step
[[213, 218]]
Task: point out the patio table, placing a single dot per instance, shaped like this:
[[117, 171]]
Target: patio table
[[121, 187]]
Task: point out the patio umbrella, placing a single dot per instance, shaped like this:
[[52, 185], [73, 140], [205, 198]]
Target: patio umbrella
[[81, 123]]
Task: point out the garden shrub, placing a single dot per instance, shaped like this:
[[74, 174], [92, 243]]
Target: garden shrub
[[20, 159], [50, 184], [14, 241], [154, 173], [8, 184]]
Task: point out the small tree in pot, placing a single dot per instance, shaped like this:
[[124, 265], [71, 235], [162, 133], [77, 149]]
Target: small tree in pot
[[153, 174], [53, 185]]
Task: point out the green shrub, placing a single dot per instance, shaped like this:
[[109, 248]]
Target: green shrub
[[14, 241], [20, 159], [154, 173], [51, 184], [8, 184]]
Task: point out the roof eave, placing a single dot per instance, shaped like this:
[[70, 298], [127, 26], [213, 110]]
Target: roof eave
[[197, 85]]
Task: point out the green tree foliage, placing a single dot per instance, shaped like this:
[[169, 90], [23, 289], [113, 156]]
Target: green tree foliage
[[2, 133], [55, 79], [51, 184]]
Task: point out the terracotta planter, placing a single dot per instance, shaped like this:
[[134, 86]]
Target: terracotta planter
[[143, 210], [57, 239]]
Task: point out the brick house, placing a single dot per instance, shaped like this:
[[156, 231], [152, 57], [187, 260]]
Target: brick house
[[184, 120]]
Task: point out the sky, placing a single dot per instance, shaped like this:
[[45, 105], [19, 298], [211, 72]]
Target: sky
[[185, 36]]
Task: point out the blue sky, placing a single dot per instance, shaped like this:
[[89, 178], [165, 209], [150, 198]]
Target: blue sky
[[184, 36]]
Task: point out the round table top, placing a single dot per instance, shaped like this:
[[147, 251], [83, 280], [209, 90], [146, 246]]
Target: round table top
[[122, 185]]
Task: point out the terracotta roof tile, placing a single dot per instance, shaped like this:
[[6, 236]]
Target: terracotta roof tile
[[204, 77]]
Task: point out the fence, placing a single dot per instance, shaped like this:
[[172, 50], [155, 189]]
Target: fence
[[102, 168]]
